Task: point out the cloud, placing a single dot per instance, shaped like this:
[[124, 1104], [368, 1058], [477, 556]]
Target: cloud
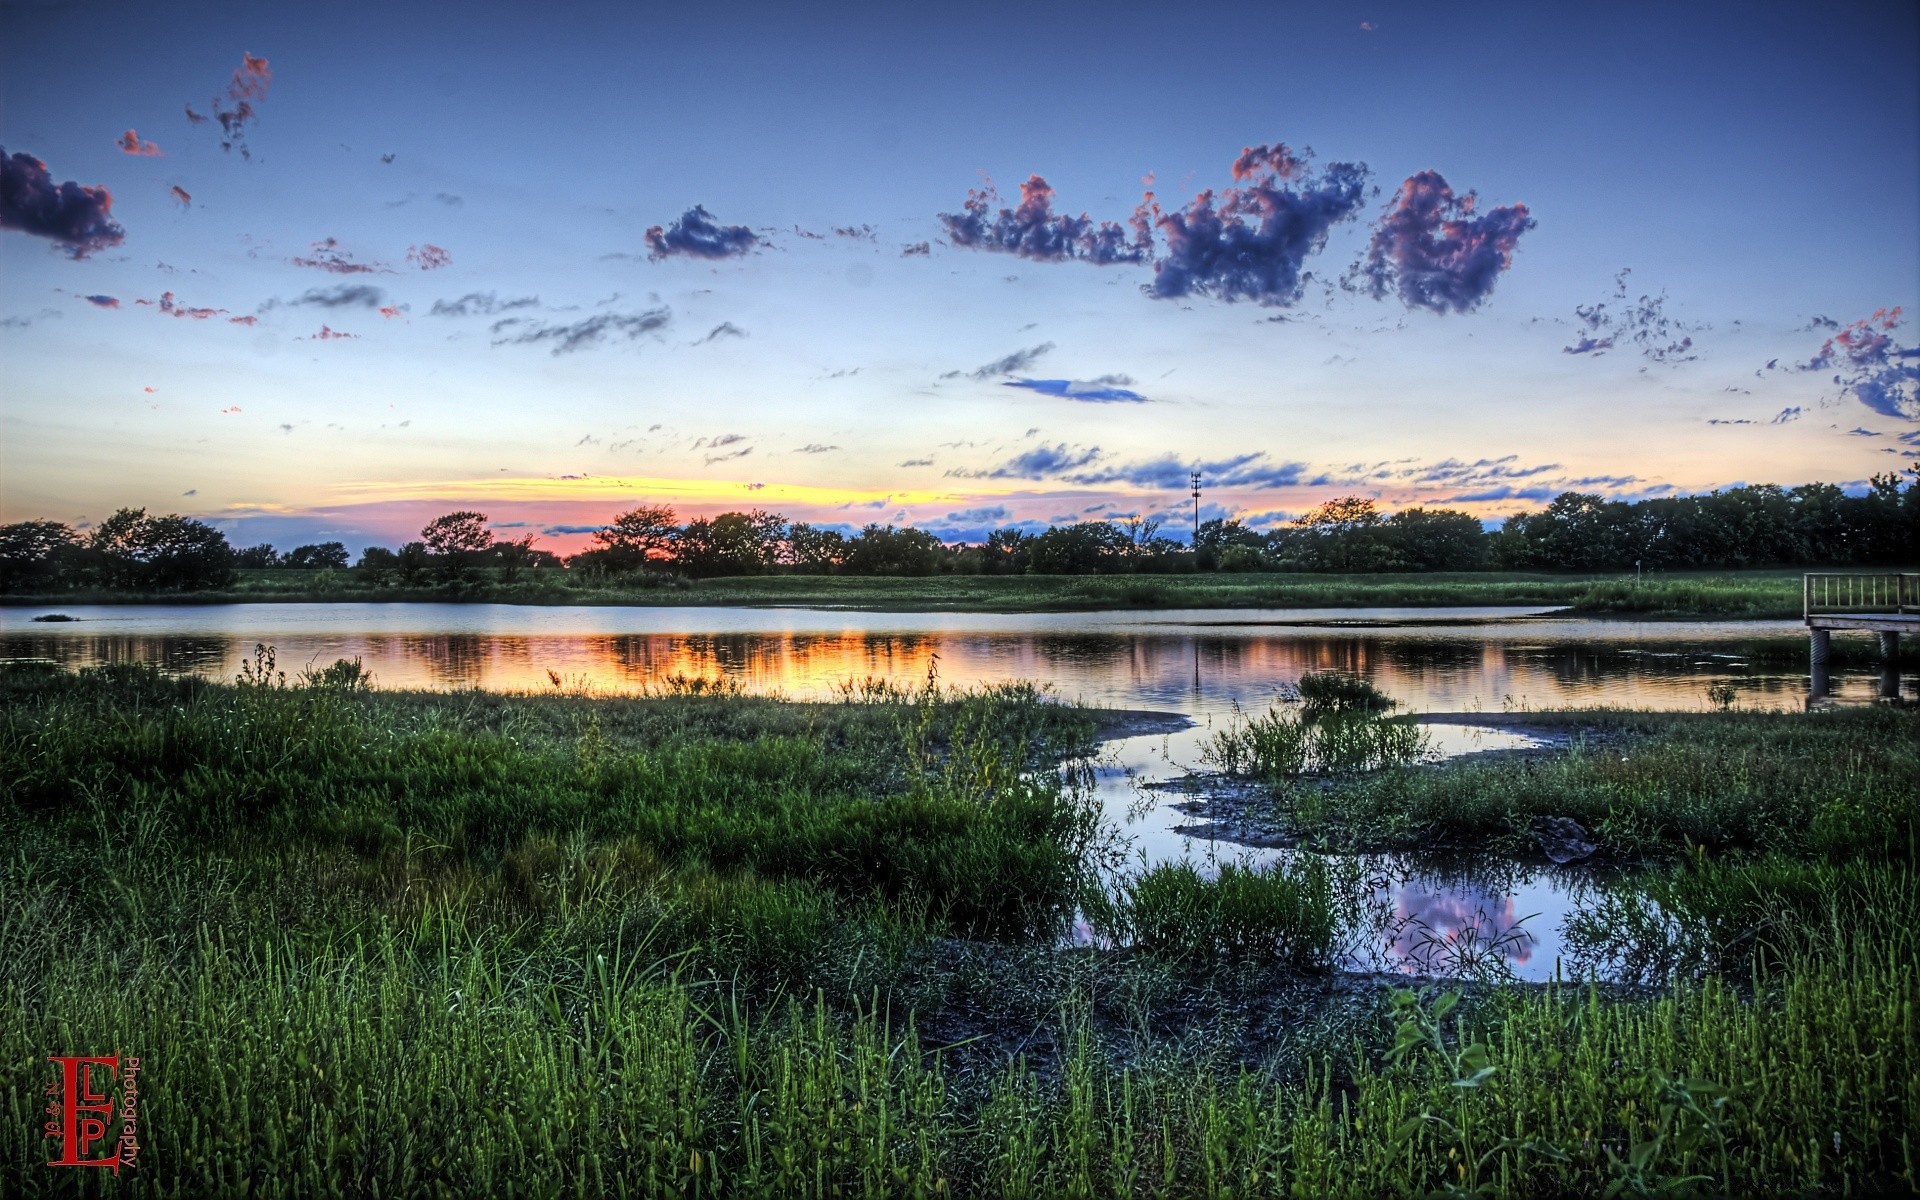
[[1019, 360], [243, 320], [1252, 242], [103, 301], [916, 462], [857, 232], [1785, 415], [1436, 250], [580, 335], [172, 308], [1246, 470], [729, 455], [1037, 463], [485, 304], [428, 257], [182, 195], [1033, 230], [919, 249], [723, 329], [725, 439], [130, 143], [1856, 431], [695, 235], [345, 295], [1092, 392], [327, 334], [390, 311], [247, 86], [1869, 363], [79, 220], [327, 256], [995, 512], [1642, 322], [815, 448]]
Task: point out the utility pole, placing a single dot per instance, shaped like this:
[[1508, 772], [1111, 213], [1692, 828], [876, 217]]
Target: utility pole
[[1195, 479]]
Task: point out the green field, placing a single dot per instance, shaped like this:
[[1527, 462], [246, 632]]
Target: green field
[[1735, 594], [373, 943]]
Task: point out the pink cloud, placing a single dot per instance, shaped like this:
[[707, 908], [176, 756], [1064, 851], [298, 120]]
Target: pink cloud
[[428, 257], [130, 143]]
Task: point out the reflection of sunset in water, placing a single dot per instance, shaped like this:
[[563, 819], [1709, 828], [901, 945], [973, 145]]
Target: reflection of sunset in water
[[1193, 662], [1443, 928]]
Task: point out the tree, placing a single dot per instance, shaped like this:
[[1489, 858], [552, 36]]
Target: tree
[[316, 557], [413, 560], [1083, 548], [35, 555], [379, 563], [635, 538], [134, 551], [886, 550], [815, 550], [1436, 539], [1006, 552], [457, 541], [256, 558], [733, 543], [516, 555], [1343, 534]]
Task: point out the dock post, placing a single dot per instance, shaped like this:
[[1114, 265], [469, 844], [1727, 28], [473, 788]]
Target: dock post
[[1819, 682], [1889, 646]]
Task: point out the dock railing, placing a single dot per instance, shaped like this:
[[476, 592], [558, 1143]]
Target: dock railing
[[1860, 592]]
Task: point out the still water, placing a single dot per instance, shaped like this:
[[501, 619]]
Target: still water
[[1203, 665]]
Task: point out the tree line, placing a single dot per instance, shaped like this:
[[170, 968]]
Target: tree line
[[1747, 526]]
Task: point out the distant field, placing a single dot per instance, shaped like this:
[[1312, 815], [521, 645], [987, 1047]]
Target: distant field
[[1740, 594]]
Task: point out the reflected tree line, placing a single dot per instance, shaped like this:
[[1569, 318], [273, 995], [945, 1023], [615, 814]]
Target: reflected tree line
[[1748, 526]]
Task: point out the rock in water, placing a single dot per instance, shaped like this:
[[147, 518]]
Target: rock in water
[[1562, 838]]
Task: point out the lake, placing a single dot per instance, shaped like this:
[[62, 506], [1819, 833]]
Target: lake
[[1201, 664]]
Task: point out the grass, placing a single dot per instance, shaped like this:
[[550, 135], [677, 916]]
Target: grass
[[1738, 594], [1643, 785], [715, 945]]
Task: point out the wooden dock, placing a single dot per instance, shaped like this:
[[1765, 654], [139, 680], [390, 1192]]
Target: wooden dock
[[1885, 603]]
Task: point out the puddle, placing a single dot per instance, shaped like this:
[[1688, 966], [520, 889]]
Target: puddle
[[1404, 913]]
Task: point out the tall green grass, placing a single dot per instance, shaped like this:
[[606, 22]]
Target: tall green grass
[[376, 944]]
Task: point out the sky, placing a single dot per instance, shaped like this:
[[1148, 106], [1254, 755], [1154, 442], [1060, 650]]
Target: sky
[[325, 274]]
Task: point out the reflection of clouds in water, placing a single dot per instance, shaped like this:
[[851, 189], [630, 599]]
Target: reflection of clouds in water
[[1453, 929]]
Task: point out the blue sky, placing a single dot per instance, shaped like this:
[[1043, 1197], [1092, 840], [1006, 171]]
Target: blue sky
[[1754, 169]]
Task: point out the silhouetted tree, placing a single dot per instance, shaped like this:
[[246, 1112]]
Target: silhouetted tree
[[733, 543], [316, 557], [815, 550], [256, 558], [457, 542], [886, 550], [634, 539], [38, 555]]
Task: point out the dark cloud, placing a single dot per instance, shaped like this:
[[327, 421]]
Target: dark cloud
[[580, 335], [916, 462], [815, 448], [1033, 230], [723, 329], [327, 256], [715, 443], [695, 235], [103, 301], [1091, 392], [1820, 322], [1856, 431], [235, 111], [561, 530], [428, 257], [182, 195], [917, 249], [345, 295], [387, 158], [1436, 250], [449, 199], [1037, 463], [728, 456], [996, 512], [1642, 323], [484, 304], [1019, 360], [1252, 242], [862, 233], [130, 143], [1245, 470], [79, 220]]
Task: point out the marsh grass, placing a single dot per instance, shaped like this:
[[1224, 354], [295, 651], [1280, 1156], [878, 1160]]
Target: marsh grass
[[1334, 724], [377, 944], [1830, 783]]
